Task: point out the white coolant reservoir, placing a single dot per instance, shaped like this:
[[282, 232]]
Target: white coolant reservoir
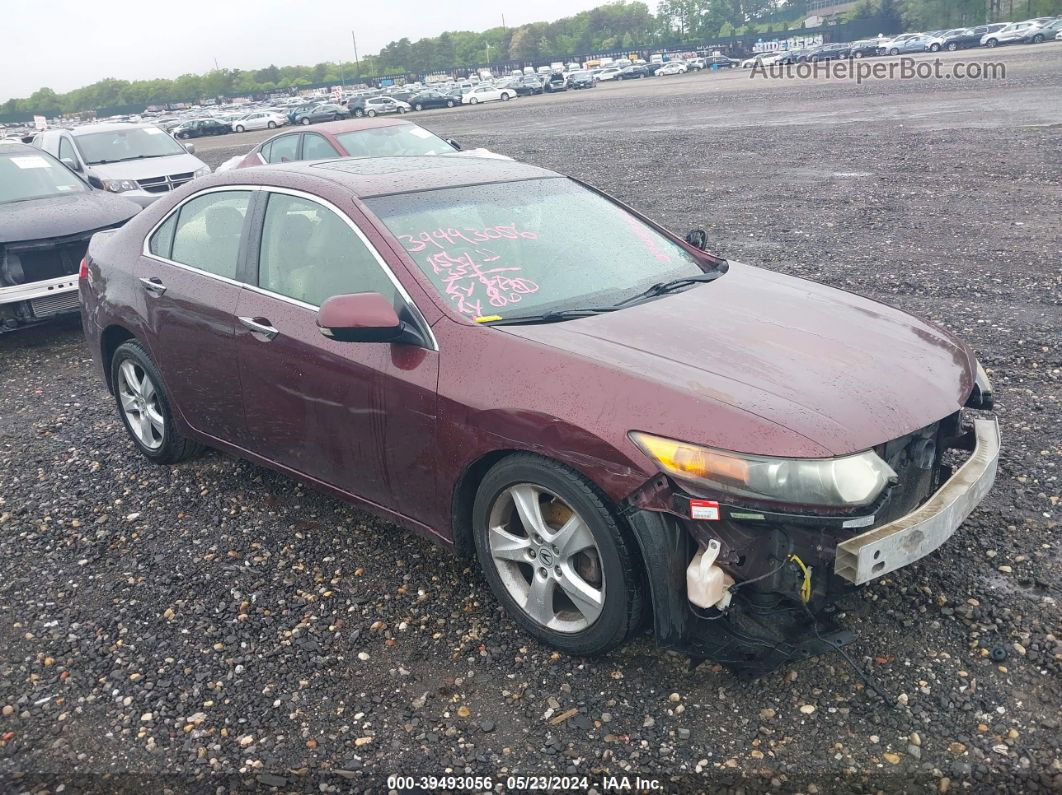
[[707, 585]]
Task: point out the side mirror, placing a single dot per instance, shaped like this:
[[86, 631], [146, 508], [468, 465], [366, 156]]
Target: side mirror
[[70, 163], [454, 144], [365, 317], [697, 238], [190, 148], [95, 182]]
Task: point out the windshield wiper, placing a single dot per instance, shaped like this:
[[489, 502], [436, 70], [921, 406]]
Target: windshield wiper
[[124, 159], [555, 316], [663, 288]]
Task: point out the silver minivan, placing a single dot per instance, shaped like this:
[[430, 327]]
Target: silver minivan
[[138, 161]]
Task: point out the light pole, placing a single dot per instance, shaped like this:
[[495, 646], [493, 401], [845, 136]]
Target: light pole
[[357, 63]]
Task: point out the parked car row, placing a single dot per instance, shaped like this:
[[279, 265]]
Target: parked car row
[[1033, 31]]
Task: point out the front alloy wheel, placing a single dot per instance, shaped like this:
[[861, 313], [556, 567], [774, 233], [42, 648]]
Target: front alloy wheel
[[555, 556]]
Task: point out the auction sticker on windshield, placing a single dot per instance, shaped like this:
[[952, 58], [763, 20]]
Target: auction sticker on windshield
[[31, 161]]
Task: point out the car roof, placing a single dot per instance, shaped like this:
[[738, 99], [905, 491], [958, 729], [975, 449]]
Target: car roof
[[383, 176], [108, 126], [16, 147]]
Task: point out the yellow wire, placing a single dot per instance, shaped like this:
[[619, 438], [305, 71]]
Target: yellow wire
[[805, 587]]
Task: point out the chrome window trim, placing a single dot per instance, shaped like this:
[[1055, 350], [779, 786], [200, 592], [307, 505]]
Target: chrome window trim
[[145, 251]]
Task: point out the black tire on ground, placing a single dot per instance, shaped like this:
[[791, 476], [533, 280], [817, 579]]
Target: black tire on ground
[[505, 96], [934, 47], [175, 447], [449, 103], [401, 110], [624, 603], [358, 112], [894, 51], [1037, 39], [992, 43], [418, 106], [272, 125], [953, 47], [473, 101], [305, 120], [370, 113], [239, 127], [858, 54]]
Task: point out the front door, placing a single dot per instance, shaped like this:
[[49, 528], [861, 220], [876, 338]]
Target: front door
[[189, 287], [357, 416]]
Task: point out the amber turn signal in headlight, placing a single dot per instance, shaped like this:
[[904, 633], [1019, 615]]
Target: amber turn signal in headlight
[[846, 482]]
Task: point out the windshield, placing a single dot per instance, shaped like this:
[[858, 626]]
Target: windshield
[[35, 176], [400, 139], [126, 144], [519, 248]]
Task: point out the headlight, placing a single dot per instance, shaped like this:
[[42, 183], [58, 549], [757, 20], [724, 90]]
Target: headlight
[[120, 185], [201, 172], [850, 481]]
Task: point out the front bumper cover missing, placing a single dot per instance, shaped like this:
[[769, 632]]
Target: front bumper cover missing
[[909, 538]]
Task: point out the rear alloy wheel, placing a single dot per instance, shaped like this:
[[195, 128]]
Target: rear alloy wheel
[[555, 556], [894, 51], [1037, 39], [370, 113], [239, 128], [144, 406], [473, 101], [272, 125]]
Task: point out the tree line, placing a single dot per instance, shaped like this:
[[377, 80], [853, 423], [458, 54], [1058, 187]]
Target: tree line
[[614, 27]]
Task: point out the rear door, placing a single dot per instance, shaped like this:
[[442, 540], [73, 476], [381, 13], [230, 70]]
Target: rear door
[[188, 281], [356, 416]]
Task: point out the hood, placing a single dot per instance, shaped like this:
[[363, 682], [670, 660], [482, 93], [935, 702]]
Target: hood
[[59, 216], [838, 369], [148, 168]]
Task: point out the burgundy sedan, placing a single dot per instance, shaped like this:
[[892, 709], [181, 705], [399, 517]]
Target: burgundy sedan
[[350, 138], [617, 424]]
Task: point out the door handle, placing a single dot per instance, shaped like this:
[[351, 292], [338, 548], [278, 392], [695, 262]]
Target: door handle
[[262, 328], [153, 286]]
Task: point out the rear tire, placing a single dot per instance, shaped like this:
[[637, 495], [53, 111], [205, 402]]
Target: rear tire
[[473, 101], [595, 559], [1037, 39], [272, 125], [141, 398], [505, 96], [953, 47], [370, 113], [358, 113], [894, 51], [449, 103]]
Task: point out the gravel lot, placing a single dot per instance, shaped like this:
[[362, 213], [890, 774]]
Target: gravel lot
[[216, 625]]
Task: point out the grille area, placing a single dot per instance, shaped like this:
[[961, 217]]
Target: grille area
[[54, 304], [164, 184], [36, 262]]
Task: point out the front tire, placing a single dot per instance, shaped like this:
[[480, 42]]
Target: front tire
[[473, 101], [953, 47], [934, 48], [418, 106], [992, 43], [1037, 39], [272, 125], [370, 113], [556, 557], [144, 406], [894, 51], [505, 96], [305, 121], [358, 113], [449, 103], [239, 128]]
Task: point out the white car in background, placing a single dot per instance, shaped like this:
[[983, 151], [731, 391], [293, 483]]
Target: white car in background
[[672, 68], [609, 73], [1011, 34], [486, 94], [261, 120]]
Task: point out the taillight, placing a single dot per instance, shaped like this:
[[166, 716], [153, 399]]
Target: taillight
[[82, 272]]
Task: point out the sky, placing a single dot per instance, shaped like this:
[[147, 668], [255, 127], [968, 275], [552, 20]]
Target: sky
[[65, 44]]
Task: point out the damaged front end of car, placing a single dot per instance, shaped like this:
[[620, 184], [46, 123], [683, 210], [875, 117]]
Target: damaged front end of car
[[749, 582]]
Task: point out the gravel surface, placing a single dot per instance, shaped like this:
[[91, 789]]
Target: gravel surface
[[216, 625]]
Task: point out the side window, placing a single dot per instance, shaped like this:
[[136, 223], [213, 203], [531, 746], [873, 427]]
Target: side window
[[162, 241], [284, 149], [207, 235], [264, 151], [310, 254], [315, 147], [66, 149]]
